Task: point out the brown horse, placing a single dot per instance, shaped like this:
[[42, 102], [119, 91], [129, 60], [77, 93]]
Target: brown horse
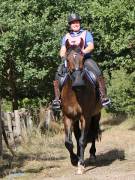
[[81, 107]]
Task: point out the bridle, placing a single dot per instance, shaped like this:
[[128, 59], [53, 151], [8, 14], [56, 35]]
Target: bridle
[[75, 52]]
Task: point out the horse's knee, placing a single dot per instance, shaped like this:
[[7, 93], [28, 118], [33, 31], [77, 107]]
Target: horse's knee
[[82, 143]]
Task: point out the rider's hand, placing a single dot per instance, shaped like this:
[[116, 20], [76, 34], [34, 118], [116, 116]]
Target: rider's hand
[[83, 53], [63, 59]]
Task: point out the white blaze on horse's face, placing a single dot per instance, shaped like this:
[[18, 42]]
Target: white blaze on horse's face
[[74, 55], [76, 61]]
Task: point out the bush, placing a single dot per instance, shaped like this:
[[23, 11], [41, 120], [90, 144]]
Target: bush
[[122, 92]]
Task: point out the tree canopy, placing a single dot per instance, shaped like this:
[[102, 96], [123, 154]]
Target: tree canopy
[[30, 35]]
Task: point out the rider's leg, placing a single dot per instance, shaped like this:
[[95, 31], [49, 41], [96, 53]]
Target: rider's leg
[[103, 92], [91, 65], [56, 101], [61, 71]]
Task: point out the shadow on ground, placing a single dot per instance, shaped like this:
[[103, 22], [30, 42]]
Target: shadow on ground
[[11, 164], [132, 128], [106, 159], [115, 120]]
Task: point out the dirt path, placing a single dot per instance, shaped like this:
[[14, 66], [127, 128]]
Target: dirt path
[[115, 159]]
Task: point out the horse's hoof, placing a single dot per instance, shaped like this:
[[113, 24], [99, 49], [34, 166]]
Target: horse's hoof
[[80, 169], [74, 159], [92, 158]]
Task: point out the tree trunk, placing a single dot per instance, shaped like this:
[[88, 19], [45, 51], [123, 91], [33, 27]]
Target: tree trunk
[[12, 84], [11, 69], [10, 127]]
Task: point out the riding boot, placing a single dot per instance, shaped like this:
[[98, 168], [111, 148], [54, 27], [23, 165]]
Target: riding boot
[[56, 102], [102, 90]]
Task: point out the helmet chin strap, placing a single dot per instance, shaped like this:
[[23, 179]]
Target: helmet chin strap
[[76, 32]]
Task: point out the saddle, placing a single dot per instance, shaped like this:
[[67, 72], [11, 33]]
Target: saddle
[[63, 74]]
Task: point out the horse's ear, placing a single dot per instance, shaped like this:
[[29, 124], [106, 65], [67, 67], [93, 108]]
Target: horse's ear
[[81, 43], [67, 44]]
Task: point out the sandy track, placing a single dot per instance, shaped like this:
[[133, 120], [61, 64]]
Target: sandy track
[[115, 159]]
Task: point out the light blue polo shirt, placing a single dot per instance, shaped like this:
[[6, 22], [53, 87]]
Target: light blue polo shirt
[[88, 39]]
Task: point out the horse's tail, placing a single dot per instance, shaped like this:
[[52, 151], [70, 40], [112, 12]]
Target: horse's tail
[[94, 129]]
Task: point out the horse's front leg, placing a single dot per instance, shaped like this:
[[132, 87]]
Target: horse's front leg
[[77, 133], [68, 140], [82, 144]]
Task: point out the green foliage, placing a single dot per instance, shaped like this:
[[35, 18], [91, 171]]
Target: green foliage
[[122, 92], [33, 103], [6, 106], [30, 34]]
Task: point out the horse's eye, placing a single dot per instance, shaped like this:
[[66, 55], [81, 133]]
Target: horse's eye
[[67, 59]]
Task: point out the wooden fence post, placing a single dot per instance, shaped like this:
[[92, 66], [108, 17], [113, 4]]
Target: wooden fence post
[[48, 118], [0, 131], [23, 122], [18, 124], [10, 127], [29, 123]]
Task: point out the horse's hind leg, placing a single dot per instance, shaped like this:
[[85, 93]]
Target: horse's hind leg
[[68, 140], [93, 150], [95, 133]]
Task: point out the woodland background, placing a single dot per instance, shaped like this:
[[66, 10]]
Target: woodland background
[[30, 36]]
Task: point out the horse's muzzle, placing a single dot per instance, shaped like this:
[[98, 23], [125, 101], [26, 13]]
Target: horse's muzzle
[[77, 79]]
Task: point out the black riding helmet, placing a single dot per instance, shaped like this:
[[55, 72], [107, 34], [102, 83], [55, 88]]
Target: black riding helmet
[[73, 17]]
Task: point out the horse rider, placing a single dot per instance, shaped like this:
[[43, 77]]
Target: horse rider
[[75, 33]]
